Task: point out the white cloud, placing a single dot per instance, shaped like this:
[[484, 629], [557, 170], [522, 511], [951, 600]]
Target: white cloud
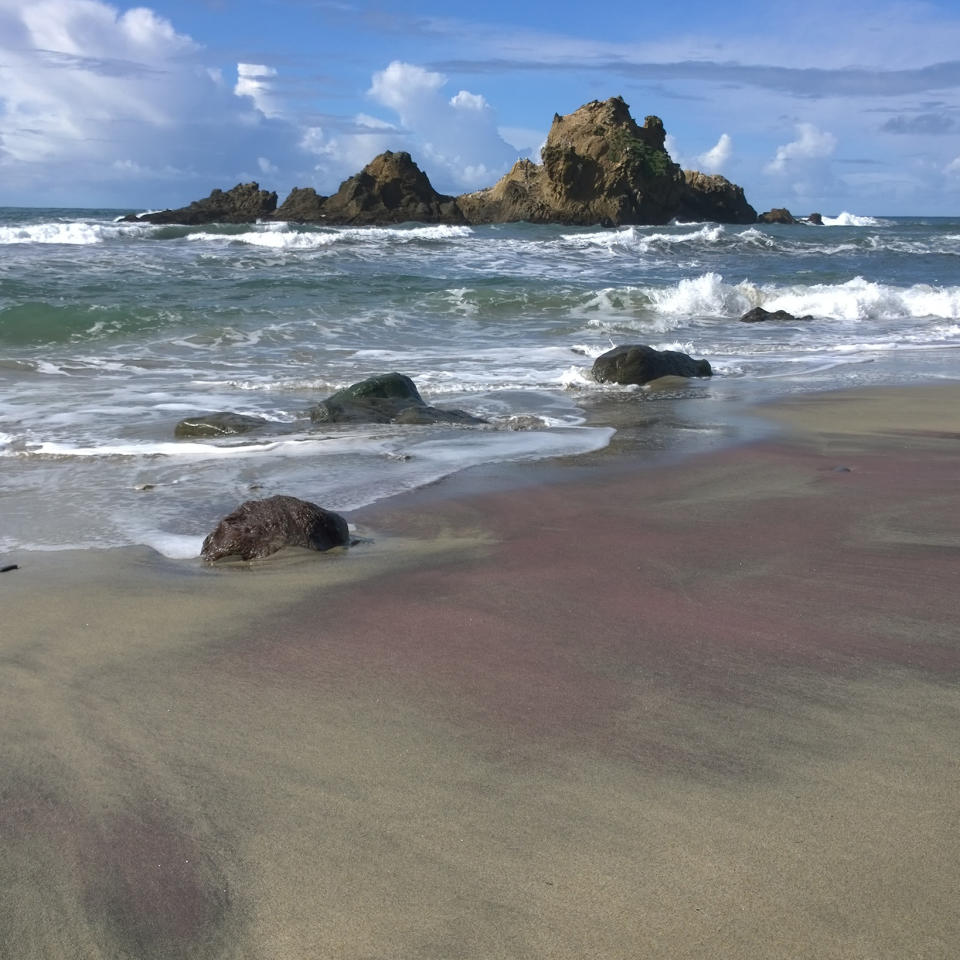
[[953, 166], [456, 140], [253, 81], [811, 144], [716, 158], [118, 106]]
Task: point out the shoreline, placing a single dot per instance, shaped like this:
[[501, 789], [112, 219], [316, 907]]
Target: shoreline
[[705, 707]]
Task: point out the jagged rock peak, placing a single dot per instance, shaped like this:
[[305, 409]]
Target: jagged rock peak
[[390, 189]]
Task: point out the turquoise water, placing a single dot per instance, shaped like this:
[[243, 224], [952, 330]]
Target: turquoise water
[[110, 333]]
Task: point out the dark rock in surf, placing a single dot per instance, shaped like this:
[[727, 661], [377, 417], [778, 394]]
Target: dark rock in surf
[[387, 398], [759, 315], [816, 219], [221, 424], [637, 363], [778, 215], [245, 203], [258, 528]]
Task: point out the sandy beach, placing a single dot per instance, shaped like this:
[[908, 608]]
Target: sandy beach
[[600, 710]]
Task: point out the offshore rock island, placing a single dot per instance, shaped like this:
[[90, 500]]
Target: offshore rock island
[[599, 166]]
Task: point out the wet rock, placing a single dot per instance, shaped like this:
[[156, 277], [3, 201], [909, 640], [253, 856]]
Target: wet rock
[[638, 363], [387, 398], [778, 215], [258, 528], [816, 219], [759, 315], [220, 424], [245, 203]]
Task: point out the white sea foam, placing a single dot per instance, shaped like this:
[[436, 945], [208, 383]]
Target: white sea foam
[[710, 296], [633, 238], [279, 236], [74, 233], [846, 219]]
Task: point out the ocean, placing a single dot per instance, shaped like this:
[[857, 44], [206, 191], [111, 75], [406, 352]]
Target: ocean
[[111, 333]]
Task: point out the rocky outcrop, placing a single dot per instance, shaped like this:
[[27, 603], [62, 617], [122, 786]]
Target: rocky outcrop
[[638, 363], [303, 205], [712, 197], [816, 219], [598, 167], [258, 528], [388, 398], [224, 423], [245, 203], [759, 315], [778, 215], [389, 189]]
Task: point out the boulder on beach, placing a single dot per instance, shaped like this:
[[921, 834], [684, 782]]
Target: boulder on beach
[[244, 203], [258, 528], [223, 423], [759, 315], [386, 398], [638, 363]]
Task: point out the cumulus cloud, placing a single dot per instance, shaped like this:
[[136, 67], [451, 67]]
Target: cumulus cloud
[[811, 144], [455, 138], [716, 158], [116, 105], [254, 81], [953, 167]]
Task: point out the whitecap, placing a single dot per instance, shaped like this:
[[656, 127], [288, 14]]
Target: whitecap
[[847, 219]]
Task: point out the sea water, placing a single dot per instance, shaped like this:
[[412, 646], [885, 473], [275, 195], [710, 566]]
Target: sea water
[[110, 333]]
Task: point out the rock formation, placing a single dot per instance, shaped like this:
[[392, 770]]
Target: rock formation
[[598, 167], [389, 189], [638, 363], [258, 528], [388, 398], [778, 215], [245, 203]]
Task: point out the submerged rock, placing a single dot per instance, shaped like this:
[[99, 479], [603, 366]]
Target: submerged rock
[[638, 363], [258, 528], [387, 398], [221, 424], [759, 315], [245, 203]]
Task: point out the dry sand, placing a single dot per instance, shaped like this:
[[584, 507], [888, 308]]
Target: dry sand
[[707, 710]]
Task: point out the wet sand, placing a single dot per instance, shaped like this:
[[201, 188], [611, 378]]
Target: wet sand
[[704, 710]]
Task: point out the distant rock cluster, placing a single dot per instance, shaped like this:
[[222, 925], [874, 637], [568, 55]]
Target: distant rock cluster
[[598, 167]]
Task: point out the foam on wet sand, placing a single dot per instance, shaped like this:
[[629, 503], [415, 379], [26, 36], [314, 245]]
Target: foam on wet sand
[[708, 709]]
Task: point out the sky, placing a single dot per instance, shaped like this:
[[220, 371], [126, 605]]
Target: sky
[[816, 106]]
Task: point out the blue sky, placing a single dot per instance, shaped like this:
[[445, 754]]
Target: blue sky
[[825, 106]]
